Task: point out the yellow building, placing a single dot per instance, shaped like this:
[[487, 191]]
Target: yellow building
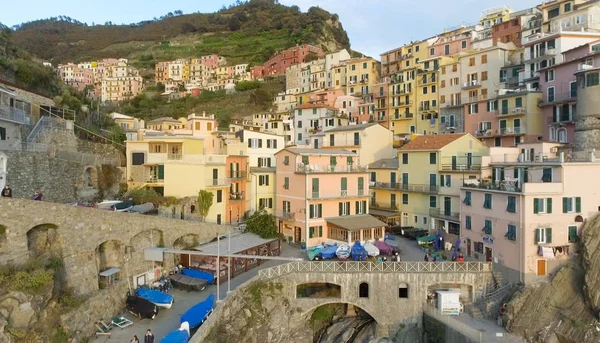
[[164, 124], [495, 16], [361, 75], [423, 191], [338, 76]]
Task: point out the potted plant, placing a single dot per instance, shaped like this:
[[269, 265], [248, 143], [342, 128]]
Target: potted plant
[[303, 245]]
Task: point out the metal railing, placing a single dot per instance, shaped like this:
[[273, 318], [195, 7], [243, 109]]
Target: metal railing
[[335, 194], [558, 97], [237, 174], [437, 212], [378, 205], [409, 187], [508, 111], [289, 216], [330, 168], [14, 114], [471, 84], [218, 182], [236, 196], [507, 131], [373, 267]]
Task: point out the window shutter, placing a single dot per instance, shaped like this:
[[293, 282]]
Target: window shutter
[[344, 184], [341, 211], [348, 207], [320, 206], [578, 204], [274, 144], [270, 202], [260, 164], [361, 183], [364, 206], [249, 143], [268, 161], [516, 173], [494, 175], [536, 208], [260, 143], [549, 205], [537, 235], [548, 235], [357, 205], [267, 180], [312, 211], [268, 143], [565, 205], [488, 106]]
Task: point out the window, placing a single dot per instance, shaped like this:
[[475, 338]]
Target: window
[[478, 247], [404, 158], [467, 200], [363, 290], [264, 162], [511, 233], [286, 183], [255, 143], [483, 59], [404, 199], [271, 143], [547, 175], [344, 208], [463, 45], [316, 211], [431, 51], [2, 133], [542, 205], [543, 235], [219, 196], [265, 203], [471, 61], [433, 89], [484, 75], [286, 160], [573, 89], [445, 181], [571, 205], [315, 232], [567, 8], [263, 180], [432, 158], [432, 201], [487, 202], [468, 222], [424, 90], [511, 204], [300, 124], [424, 220], [137, 158], [305, 160], [218, 219], [487, 227], [299, 135], [474, 108], [361, 207], [550, 94], [403, 291], [573, 237], [592, 79], [550, 75]]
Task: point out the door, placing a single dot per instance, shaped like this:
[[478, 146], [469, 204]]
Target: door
[[297, 235], [447, 206], [215, 177], [502, 126], [541, 267], [432, 182], [316, 144], [469, 160], [488, 254], [405, 180], [469, 247], [454, 162], [404, 219], [393, 179], [161, 172], [517, 125]]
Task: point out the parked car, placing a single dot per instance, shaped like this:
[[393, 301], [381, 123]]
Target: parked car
[[141, 307]]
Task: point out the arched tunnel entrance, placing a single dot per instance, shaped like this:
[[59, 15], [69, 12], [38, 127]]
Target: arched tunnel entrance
[[342, 322]]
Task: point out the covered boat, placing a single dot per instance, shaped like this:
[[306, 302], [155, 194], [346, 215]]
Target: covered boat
[[426, 239], [371, 249], [329, 252], [143, 208], [384, 248], [181, 335], [198, 274], [158, 298], [107, 204], [314, 252], [198, 313], [123, 206], [343, 251], [141, 307], [188, 283], [358, 252]]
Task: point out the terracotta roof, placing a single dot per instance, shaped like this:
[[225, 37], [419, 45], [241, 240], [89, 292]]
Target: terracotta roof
[[431, 142]]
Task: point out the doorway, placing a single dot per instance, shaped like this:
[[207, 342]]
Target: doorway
[[541, 267], [469, 247], [297, 234], [215, 177], [488, 254]]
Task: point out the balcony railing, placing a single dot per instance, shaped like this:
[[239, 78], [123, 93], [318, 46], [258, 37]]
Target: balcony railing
[[330, 168], [508, 131], [385, 206], [15, 114], [350, 141], [471, 84], [428, 108], [558, 97], [174, 157], [505, 186], [460, 163], [154, 179], [510, 111], [336, 194], [237, 174], [285, 215], [218, 182], [236, 196], [408, 187], [444, 214]]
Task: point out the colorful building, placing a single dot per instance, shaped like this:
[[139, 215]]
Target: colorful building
[[277, 64], [371, 141]]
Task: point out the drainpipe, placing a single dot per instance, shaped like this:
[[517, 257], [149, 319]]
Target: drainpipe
[[306, 211], [521, 241]]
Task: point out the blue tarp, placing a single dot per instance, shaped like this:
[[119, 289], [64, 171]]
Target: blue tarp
[[198, 313], [177, 336], [154, 296], [358, 252], [198, 274], [329, 252]]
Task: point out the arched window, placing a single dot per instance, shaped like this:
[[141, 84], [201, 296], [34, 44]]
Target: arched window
[[363, 290], [403, 291]]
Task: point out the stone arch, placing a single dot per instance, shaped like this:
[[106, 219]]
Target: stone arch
[[187, 241], [44, 241], [90, 177], [370, 312], [363, 290], [147, 239], [110, 254], [318, 290]]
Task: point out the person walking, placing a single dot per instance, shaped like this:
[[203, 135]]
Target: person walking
[[7, 192], [149, 338], [134, 339], [37, 195]]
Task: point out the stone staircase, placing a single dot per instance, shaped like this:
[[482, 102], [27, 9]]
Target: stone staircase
[[472, 310]]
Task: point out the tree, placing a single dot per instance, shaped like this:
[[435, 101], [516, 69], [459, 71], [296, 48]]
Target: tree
[[160, 87], [234, 24], [263, 224], [205, 201]]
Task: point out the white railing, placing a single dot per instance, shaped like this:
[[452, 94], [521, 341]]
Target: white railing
[[373, 267]]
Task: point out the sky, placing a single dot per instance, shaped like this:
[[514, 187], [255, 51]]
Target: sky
[[374, 26]]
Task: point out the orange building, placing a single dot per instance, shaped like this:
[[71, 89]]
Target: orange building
[[236, 202]]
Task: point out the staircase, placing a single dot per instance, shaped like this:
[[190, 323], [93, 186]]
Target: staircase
[[473, 310]]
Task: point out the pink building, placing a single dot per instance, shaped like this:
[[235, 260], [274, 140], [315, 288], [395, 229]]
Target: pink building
[[277, 64], [212, 61], [256, 72], [322, 197], [347, 104], [451, 42], [526, 212], [559, 91], [326, 97]]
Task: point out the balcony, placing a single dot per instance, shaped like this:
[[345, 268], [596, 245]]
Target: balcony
[[286, 215], [337, 194], [236, 196], [543, 55], [472, 99], [512, 111], [407, 187], [426, 80], [154, 179], [460, 163], [14, 114], [428, 108], [471, 84], [237, 174], [384, 206], [558, 98], [403, 116], [444, 214], [512, 131], [218, 183], [330, 168], [176, 157]]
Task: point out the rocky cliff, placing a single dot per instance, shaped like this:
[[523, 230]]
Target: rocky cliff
[[566, 308]]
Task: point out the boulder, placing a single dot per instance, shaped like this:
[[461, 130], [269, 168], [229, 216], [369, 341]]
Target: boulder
[[591, 262], [20, 317]]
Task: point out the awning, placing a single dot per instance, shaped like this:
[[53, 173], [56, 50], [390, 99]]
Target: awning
[[238, 244], [110, 272], [358, 222], [386, 214]]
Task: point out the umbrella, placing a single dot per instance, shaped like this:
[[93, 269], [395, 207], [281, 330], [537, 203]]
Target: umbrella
[[456, 247]]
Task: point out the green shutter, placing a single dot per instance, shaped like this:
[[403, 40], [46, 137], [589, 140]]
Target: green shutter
[[320, 210], [494, 175], [161, 172], [332, 160], [578, 204], [315, 184], [344, 184], [537, 235], [357, 207], [516, 173], [573, 238], [364, 203], [549, 205], [312, 211], [341, 208], [320, 231], [536, 208], [304, 159], [548, 235], [565, 205], [361, 183]]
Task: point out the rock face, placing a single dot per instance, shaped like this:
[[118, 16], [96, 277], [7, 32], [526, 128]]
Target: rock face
[[565, 309]]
